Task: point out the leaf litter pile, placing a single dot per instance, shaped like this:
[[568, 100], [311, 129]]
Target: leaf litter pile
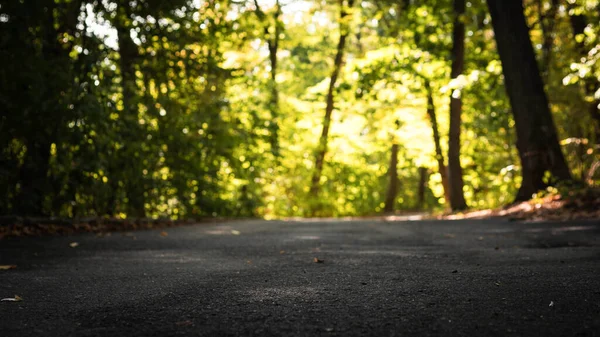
[[582, 205], [13, 226]]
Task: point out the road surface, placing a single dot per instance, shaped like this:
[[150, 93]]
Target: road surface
[[309, 278]]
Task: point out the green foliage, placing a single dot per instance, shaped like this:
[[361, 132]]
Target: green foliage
[[165, 109]]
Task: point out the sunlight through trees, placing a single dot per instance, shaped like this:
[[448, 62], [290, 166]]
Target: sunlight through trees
[[195, 108]]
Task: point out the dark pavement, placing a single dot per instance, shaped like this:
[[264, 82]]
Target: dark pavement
[[259, 278]]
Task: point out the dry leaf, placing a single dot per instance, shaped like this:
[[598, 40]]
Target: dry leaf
[[8, 266], [551, 304], [234, 232], [449, 236], [282, 252], [184, 323], [317, 260], [163, 233], [74, 244]]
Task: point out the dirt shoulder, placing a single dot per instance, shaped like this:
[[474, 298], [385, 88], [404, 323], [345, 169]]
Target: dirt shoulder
[[584, 205]]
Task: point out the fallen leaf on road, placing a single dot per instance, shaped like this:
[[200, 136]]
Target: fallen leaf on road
[[234, 232], [163, 233], [480, 238], [551, 304], [74, 244], [17, 298], [282, 252], [317, 260], [8, 266], [449, 236]]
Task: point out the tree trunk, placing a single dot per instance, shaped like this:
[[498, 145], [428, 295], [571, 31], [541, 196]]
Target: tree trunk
[[33, 174], [274, 102], [392, 192], [128, 53], [271, 35], [33, 179], [337, 66], [591, 85], [537, 141], [455, 176], [547, 22], [439, 156], [422, 187]]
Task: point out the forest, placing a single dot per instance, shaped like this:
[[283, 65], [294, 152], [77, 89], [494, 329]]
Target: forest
[[185, 109]]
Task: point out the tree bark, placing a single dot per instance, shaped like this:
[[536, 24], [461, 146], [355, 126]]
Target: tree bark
[[547, 23], [455, 176], [271, 35], [537, 141], [134, 186], [337, 66], [439, 155], [34, 181], [422, 187], [392, 192]]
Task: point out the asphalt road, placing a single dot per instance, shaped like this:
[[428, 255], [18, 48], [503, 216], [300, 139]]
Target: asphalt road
[[259, 278]]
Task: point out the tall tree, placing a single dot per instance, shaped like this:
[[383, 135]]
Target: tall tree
[[547, 21], [455, 175], [37, 97], [272, 29], [392, 191], [128, 53], [337, 67], [392, 188], [537, 141], [579, 22], [439, 155], [423, 175]]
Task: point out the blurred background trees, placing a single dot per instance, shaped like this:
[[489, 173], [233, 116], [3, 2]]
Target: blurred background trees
[[191, 108]]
